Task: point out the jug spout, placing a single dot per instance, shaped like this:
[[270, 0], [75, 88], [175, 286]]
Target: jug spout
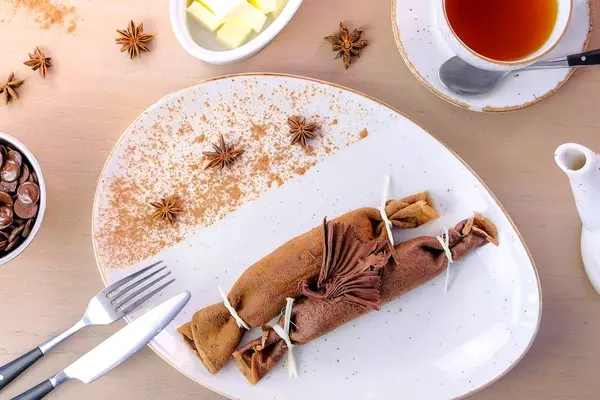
[[582, 166]]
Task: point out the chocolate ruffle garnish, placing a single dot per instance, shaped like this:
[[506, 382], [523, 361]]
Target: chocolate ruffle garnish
[[350, 269]]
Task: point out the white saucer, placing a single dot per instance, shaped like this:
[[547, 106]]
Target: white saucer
[[423, 49]]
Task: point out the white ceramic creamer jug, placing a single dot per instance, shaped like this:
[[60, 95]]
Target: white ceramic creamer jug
[[582, 166]]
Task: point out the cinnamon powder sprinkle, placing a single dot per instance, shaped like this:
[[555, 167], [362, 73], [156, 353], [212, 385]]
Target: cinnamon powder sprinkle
[[164, 153], [48, 13]]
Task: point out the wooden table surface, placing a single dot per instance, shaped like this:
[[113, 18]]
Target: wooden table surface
[[72, 120]]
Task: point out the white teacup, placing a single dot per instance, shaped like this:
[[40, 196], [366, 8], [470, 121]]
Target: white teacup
[[563, 17]]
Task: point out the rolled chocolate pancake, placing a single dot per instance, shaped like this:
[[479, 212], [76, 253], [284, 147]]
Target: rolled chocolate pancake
[[259, 294], [342, 293]]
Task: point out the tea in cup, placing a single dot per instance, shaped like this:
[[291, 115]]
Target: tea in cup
[[503, 34]]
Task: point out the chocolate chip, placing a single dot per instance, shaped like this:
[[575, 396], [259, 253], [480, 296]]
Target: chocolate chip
[[24, 174], [6, 217], [25, 211], [15, 156], [5, 199], [15, 233], [12, 245], [10, 187], [28, 228], [28, 193], [10, 171]]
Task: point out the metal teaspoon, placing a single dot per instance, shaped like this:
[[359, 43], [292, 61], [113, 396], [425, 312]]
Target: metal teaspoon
[[468, 80]]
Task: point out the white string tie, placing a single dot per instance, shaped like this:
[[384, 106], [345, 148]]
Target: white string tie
[[284, 333], [386, 221], [234, 314], [445, 242]]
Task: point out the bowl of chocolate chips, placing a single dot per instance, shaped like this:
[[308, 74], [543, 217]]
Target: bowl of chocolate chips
[[22, 197]]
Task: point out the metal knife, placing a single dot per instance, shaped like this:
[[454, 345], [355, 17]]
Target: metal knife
[[114, 350]]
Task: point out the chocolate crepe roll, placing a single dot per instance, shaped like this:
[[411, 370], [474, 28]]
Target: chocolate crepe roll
[[259, 294], [342, 293]]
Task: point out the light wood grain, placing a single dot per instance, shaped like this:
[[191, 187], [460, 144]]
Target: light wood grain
[[71, 121]]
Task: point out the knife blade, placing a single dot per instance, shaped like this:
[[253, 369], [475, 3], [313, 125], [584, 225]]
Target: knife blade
[[114, 350]]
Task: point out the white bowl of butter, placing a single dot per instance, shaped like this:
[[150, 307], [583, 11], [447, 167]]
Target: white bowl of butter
[[226, 31]]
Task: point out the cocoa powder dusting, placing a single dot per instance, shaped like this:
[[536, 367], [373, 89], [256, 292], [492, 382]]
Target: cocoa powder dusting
[[47, 13], [258, 131], [162, 156], [301, 171]]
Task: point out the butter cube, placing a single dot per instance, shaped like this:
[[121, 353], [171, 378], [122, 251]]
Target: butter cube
[[264, 6], [253, 17], [225, 10], [204, 16], [279, 6], [234, 33]]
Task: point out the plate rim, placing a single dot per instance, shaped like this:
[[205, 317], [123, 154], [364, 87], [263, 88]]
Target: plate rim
[[488, 109], [369, 97]]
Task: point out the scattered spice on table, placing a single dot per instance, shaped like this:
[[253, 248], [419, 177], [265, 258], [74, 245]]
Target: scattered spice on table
[[134, 40], [347, 44], [166, 210], [223, 155], [9, 88], [38, 60], [301, 131], [47, 13]]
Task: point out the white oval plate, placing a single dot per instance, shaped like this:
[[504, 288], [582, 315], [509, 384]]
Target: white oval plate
[[424, 50], [426, 345]]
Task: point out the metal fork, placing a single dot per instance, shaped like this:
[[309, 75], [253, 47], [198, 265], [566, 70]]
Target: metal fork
[[108, 306]]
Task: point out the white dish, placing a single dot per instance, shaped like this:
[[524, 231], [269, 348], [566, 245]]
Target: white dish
[[424, 50], [427, 345], [202, 44]]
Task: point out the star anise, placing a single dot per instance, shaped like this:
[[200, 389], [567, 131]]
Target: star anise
[[37, 60], [223, 156], [301, 131], [134, 40], [347, 45], [9, 89], [166, 210]]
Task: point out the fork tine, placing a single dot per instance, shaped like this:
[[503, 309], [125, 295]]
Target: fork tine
[[139, 302], [139, 291], [121, 292], [111, 288]]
